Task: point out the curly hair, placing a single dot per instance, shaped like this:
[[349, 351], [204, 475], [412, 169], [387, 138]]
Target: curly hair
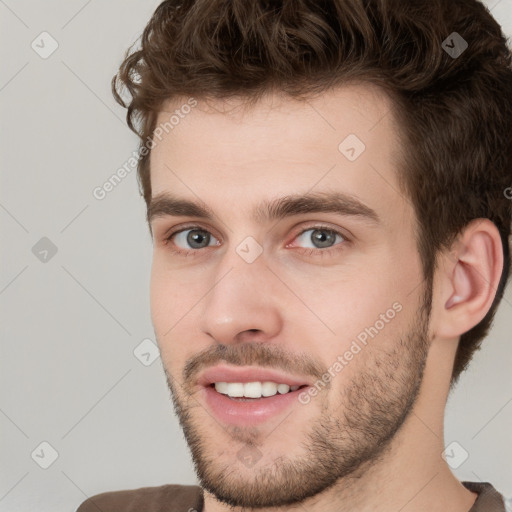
[[454, 108]]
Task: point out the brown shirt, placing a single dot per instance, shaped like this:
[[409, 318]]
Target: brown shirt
[[189, 498]]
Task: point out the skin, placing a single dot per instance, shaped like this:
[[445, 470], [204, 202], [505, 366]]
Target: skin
[[372, 439]]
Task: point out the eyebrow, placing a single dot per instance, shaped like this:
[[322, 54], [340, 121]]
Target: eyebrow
[[165, 204]]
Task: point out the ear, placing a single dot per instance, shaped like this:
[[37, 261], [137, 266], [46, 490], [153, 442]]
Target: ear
[[468, 278]]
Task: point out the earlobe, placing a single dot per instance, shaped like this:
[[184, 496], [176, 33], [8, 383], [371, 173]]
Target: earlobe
[[470, 278]]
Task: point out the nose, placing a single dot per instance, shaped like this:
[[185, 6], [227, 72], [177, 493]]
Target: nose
[[243, 302]]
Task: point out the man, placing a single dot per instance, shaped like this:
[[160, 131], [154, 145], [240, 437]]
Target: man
[[326, 190]]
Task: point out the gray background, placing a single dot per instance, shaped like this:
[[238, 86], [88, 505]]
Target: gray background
[[70, 324]]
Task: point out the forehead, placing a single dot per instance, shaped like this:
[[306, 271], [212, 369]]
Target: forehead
[[218, 151]]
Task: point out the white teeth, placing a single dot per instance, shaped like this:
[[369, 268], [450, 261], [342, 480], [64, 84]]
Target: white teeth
[[222, 387], [283, 388], [252, 389], [268, 389], [235, 389]]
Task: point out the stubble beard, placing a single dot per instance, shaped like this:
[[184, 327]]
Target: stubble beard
[[344, 441]]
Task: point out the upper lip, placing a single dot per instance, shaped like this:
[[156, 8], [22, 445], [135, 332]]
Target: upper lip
[[236, 374]]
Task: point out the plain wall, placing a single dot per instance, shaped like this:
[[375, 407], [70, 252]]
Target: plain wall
[[70, 325]]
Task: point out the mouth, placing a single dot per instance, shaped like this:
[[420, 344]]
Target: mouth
[[244, 410], [250, 395], [250, 391]]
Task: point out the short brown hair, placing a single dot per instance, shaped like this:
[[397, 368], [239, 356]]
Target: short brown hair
[[455, 111]]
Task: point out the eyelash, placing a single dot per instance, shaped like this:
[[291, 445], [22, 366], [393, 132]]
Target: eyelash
[[306, 252]]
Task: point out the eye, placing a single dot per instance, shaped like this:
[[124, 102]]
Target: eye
[[190, 238], [321, 239]]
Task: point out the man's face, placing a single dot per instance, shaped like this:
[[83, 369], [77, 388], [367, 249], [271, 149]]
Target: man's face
[[333, 299]]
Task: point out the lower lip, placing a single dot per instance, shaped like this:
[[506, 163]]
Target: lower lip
[[250, 412]]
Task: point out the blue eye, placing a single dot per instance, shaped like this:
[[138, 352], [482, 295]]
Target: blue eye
[[321, 237], [195, 237]]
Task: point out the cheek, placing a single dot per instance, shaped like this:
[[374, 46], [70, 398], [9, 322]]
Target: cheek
[[171, 292], [159, 296], [364, 305], [347, 296], [173, 299], [168, 300], [163, 299]]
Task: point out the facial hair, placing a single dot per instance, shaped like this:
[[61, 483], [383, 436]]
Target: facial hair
[[348, 437]]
